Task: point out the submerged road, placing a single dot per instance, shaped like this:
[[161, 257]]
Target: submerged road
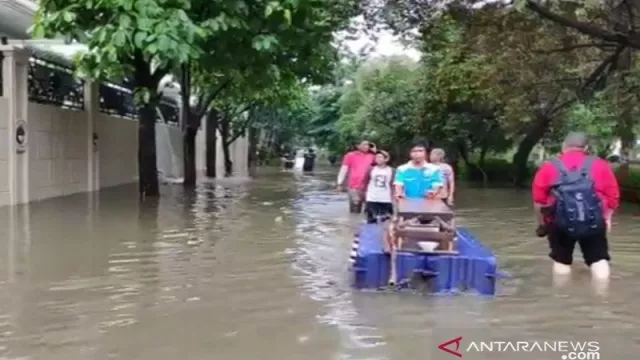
[[243, 270]]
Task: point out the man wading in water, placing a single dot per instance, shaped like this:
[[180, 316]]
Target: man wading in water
[[575, 196], [355, 168]]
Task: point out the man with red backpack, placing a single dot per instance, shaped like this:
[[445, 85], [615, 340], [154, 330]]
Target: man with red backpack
[[574, 197]]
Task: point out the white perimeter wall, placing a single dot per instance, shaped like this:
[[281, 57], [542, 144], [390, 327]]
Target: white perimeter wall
[[59, 144], [4, 153]]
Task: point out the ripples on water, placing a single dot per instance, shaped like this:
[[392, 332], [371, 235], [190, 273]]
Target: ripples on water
[[245, 269]]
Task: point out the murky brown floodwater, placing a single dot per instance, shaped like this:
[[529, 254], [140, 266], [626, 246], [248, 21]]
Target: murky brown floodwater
[[258, 270]]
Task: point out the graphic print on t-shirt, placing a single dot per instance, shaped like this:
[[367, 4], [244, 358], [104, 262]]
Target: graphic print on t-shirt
[[380, 181]]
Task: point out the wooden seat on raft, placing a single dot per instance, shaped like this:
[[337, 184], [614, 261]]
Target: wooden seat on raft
[[420, 220]]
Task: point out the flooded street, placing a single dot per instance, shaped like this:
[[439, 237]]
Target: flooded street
[[246, 270]]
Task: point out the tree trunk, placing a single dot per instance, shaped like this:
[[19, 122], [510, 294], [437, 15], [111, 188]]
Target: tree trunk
[[225, 140], [252, 157], [212, 143], [464, 154], [453, 160], [521, 157], [189, 155], [147, 159], [228, 164], [189, 131], [483, 155], [626, 123]]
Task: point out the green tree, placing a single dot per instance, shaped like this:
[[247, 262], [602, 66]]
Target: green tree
[[326, 112], [143, 40], [258, 44]]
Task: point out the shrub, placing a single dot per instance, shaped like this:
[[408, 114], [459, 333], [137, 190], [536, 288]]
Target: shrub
[[629, 177], [496, 170]]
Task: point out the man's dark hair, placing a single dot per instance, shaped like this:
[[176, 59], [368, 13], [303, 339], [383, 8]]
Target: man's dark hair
[[419, 143]]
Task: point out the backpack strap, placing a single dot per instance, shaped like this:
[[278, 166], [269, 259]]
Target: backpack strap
[[585, 170], [562, 169]]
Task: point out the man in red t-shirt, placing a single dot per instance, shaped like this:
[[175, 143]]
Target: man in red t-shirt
[[595, 247], [355, 167]]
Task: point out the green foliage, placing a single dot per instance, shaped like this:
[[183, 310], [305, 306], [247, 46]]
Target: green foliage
[[123, 36], [325, 115], [629, 178], [597, 119], [379, 104], [493, 80]]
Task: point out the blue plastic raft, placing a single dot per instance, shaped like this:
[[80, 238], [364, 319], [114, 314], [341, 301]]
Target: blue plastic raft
[[473, 269]]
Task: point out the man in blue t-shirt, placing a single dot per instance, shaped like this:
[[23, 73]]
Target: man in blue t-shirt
[[418, 178]]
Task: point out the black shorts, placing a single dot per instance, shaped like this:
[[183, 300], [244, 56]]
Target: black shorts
[[594, 248], [377, 210]]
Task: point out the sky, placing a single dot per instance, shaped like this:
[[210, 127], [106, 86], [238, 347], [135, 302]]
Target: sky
[[386, 45]]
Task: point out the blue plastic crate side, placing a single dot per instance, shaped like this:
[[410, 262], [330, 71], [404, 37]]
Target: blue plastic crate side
[[359, 280], [447, 274], [454, 274], [438, 269], [482, 279], [376, 271], [407, 264], [362, 270], [373, 270], [463, 269], [469, 245], [370, 236], [471, 274]]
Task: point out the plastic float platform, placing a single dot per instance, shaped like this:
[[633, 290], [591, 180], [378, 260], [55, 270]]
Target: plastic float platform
[[471, 267]]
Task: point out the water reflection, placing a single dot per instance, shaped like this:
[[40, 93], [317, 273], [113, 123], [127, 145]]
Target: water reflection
[[243, 269]]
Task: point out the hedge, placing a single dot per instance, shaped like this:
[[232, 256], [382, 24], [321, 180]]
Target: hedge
[[499, 171]]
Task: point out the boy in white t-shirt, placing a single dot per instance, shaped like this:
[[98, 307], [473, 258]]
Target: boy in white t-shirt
[[379, 196]]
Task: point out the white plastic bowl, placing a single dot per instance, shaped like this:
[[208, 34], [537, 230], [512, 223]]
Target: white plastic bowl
[[428, 245]]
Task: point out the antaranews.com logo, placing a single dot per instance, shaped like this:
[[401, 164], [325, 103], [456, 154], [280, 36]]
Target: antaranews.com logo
[[566, 350]]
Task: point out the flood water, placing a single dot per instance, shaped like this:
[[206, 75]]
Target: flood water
[[245, 270]]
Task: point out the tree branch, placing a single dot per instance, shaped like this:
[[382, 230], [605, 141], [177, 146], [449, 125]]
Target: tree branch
[[203, 106], [631, 23], [582, 27], [599, 45], [593, 78], [241, 131], [243, 126], [601, 70]]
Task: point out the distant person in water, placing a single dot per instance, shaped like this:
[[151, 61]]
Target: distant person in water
[[355, 167], [309, 160], [287, 161], [333, 159], [437, 158], [298, 162], [419, 179]]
